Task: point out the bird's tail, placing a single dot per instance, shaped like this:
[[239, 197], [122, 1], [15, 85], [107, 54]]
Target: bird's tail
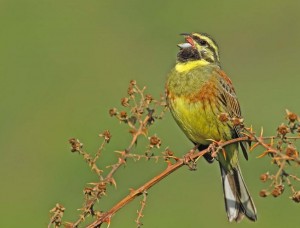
[[238, 201]]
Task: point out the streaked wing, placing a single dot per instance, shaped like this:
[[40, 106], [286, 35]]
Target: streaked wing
[[231, 104]]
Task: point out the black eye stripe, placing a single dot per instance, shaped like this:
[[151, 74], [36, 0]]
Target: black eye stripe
[[200, 41]]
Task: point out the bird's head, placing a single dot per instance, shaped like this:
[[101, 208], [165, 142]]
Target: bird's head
[[198, 46]]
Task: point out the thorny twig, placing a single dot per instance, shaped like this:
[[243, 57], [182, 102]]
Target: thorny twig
[[141, 115], [140, 212], [56, 218]]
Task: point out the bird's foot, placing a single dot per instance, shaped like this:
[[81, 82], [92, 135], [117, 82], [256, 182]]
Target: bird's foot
[[213, 149], [189, 160]]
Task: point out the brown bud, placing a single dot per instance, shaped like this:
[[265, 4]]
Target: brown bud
[[154, 141], [283, 129], [130, 90], [125, 101], [223, 117], [278, 190], [168, 152], [296, 197], [263, 193], [264, 177], [123, 114], [148, 98], [291, 151], [292, 117], [237, 121], [133, 82], [106, 135], [112, 111], [75, 145]]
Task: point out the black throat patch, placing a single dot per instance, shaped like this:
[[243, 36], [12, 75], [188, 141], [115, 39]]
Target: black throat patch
[[187, 54]]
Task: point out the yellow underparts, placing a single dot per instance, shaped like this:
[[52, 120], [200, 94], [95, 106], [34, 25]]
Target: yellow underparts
[[198, 121], [182, 67]]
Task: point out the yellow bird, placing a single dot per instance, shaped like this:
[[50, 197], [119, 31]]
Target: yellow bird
[[198, 92]]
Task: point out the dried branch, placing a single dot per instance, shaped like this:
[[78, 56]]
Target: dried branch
[[142, 112], [140, 212], [170, 169]]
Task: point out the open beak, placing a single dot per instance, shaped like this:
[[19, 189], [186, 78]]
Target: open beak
[[189, 41]]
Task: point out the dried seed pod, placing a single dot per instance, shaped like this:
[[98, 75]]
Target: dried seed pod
[[112, 111], [278, 190], [154, 141], [223, 117], [125, 102], [291, 151], [148, 98], [237, 121], [106, 135], [168, 152], [296, 197], [123, 114], [264, 177], [130, 90], [283, 129], [292, 117], [263, 193], [133, 82], [76, 145]]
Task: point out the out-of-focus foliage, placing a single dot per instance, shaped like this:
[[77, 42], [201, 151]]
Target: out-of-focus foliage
[[65, 63]]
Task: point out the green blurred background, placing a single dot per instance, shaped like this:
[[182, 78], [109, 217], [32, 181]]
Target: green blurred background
[[65, 63]]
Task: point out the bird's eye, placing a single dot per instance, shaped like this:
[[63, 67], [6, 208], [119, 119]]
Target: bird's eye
[[202, 42]]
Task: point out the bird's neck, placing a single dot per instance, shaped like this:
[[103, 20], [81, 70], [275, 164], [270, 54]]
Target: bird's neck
[[189, 65]]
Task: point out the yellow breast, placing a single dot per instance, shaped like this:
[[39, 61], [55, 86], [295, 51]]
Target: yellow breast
[[198, 118]]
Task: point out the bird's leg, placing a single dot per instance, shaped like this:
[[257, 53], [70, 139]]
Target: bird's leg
[[189, 160], [213, 149]]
